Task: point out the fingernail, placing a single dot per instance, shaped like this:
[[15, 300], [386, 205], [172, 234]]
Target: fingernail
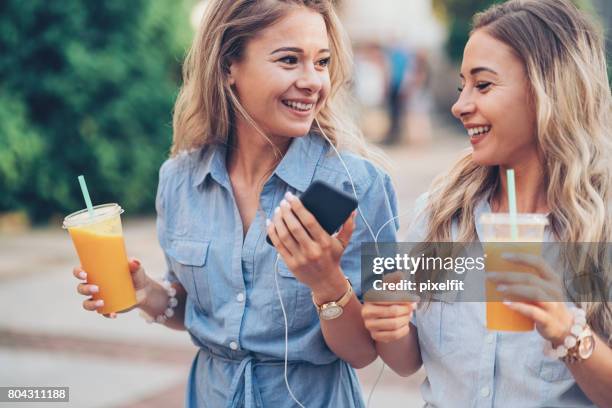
[[82, 275], [289, 196], [507, 302], [276, 210], [502, 288], [284, 203], [99, 303], [268, 222], [94, 289]]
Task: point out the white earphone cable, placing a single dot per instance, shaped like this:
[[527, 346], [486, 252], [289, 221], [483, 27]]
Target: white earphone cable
[[280, 298], [374, 237]]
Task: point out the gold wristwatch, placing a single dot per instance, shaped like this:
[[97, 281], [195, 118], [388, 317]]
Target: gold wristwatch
[[333, 310]]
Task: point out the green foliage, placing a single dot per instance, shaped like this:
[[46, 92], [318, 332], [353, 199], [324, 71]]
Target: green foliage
[[86, 87], [458, 15]]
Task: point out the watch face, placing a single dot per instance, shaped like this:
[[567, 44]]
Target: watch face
[[587, 344], [331, 312]]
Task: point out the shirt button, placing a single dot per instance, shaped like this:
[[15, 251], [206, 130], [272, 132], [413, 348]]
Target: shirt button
[[490, 338], [234, 345], [484, 391], [240, 297]]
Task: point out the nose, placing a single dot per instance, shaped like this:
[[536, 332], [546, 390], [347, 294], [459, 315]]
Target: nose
[[310, 79], [464, 106]]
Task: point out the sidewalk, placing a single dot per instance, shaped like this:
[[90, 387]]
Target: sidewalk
[[46, 339]]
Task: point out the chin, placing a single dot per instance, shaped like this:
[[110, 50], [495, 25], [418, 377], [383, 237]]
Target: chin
[[295, 131], [483, 159]]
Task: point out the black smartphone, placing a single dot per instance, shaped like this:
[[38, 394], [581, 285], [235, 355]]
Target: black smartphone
[[329, 205]]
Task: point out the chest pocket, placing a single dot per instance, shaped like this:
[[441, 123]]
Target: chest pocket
[[550, 370], [297, 300], [189, 263]]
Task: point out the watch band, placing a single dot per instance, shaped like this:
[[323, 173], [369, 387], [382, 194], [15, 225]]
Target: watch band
[[344, 299]]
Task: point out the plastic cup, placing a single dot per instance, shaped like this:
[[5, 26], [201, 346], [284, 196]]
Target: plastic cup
[[498, 239], [98, 240]]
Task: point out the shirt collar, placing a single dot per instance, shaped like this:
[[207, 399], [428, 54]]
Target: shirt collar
[[212, 162], [297, 167]]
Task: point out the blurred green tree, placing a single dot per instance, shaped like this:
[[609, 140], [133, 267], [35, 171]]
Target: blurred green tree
[[86, 87], [457, 14]]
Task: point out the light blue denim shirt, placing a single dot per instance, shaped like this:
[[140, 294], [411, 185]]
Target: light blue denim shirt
[[470, 366], [233, 312]]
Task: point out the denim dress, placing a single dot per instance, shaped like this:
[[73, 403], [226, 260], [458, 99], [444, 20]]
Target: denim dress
[[233, 313]]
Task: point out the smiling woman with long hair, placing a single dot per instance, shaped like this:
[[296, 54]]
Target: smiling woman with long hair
[[260, 116], [535, 98]]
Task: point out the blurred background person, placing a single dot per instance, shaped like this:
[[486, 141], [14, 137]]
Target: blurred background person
[[420, 104], [403, 34], [401, 68], [370, 87]]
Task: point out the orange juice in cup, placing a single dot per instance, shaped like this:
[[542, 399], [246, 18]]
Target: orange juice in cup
[[501, 237], [98, 239]]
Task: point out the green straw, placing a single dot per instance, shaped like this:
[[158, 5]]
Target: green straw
[[512, 204], [86, 196]]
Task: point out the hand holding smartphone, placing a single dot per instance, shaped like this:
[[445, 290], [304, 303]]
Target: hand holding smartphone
[[329, 205]]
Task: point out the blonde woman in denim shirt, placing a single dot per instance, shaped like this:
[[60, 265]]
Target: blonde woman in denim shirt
[[534, 97], [254, 124]]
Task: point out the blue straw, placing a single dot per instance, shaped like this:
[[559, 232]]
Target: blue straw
[[512, 204], [86, 196]]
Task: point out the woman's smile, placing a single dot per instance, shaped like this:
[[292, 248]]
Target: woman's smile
[[477, 132], [300, 107]]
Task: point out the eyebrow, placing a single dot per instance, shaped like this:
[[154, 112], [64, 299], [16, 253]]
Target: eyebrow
[[295, 49], [476, 70]]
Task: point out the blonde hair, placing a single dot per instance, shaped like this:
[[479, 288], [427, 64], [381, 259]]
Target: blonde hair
[[207, 105], [565, 62]]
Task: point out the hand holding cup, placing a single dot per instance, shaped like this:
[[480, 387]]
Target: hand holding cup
[[139, 279]]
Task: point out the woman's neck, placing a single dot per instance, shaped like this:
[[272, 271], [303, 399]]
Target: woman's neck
[[252, 158], [530, 188]]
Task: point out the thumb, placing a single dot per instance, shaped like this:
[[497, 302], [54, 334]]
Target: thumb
[[134, 265], [138, 274], [345, 233]]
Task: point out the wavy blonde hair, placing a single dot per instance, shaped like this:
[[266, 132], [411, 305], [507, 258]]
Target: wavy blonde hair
[[564, 57], [207, 105]]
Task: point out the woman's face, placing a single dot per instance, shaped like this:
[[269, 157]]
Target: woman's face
[[282, 79], [495, 105]]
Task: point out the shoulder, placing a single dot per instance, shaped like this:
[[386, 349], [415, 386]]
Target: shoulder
[[177, 165], [181, 167], [419, 218], [351, 167]]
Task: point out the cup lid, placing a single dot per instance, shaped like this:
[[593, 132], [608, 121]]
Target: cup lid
[[100, 213]]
